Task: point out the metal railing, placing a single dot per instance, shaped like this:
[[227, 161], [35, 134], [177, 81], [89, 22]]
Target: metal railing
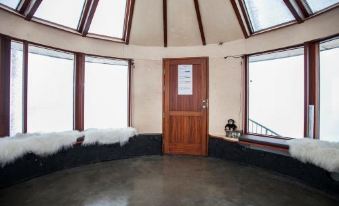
[[256, 127]]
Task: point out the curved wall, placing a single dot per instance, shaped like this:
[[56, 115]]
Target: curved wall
[[225, 90]]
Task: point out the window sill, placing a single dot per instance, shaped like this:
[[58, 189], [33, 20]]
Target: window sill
[[265, 143], [229, 139]]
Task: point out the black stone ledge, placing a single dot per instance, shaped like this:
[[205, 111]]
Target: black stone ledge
[[31, 165], [308, 174]]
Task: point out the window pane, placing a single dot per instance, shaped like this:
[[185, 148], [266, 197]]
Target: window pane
[[109, 18], [16, 88], [50, 90], [106, 93], [267, 13], [10, 3], [329, 84], [317, 5], [63, 12], [276, 94]]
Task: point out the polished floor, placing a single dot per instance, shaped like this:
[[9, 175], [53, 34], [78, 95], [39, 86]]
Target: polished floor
[[167, 180]]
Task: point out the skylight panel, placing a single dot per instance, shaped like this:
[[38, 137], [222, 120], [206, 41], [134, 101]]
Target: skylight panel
[[10, 3], [317, 5], [265, 14], [63, 12], [109, 18]]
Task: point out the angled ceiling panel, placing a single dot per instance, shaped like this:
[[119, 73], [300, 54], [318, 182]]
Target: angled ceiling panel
[[183, 28], [147, 25], [219, 21]]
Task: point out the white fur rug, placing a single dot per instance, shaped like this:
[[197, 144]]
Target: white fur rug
[[321, 153], [108, 136], [42, 144]]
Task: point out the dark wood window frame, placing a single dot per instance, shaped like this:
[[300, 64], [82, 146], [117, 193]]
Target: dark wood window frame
[[311, 86], [80, 105], [304, 10], [249, 24], [27, 8], [26, 11], [79, 77], [246, 89], [307, 11]]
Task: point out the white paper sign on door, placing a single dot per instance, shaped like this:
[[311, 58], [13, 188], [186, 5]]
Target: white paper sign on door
[[185, 79]]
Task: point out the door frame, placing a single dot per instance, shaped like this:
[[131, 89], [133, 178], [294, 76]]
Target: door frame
[[206, 58]]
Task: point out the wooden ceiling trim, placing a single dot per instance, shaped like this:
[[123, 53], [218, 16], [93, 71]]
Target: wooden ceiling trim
[[87, 17], [32, 8], [201, 28], [293, 11], [302, 8], [164, 6], [129, 18], [84, 15], [23, 6], [238, 15], [248, 23]]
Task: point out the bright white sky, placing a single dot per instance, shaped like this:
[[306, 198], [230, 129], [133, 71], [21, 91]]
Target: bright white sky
[[63, 12], [50, 94], [329, 98], [106, 96], [276, 95]]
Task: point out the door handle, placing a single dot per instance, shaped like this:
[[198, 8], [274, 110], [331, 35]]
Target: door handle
[[205, 103]]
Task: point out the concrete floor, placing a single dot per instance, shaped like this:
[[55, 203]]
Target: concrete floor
[[167, 180]]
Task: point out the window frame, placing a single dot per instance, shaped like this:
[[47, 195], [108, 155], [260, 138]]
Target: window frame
[[249, 23], [26, 73], [246, 91], [24, 84], [124, 31], [311, 82], [26, 10], [129, 86], [78, 83], [60, 26], [306, 7], [10, 8], [318, 85]]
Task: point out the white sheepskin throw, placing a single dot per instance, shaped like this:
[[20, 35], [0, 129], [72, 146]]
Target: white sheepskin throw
[[321, 153], [41, 144], [108, 136]]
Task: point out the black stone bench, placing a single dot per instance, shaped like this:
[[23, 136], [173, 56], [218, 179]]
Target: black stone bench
[[31, 165], [284, 164]]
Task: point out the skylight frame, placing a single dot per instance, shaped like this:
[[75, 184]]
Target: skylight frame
[[249, 23], [127, 17], [310, 12], [10, 8], [60, 26]]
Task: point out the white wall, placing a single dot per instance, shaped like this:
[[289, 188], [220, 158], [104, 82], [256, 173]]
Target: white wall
[[225, 75]]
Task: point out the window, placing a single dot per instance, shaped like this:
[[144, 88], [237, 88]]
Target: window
[[265, 14], [63, 12], [329, 84], [10, 3], [276, 94], [318, 5], [109, 18], [106, 93], [50, 90], [16, 88]]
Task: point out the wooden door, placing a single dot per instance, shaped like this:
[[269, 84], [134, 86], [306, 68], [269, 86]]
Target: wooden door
[[185, 106]]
